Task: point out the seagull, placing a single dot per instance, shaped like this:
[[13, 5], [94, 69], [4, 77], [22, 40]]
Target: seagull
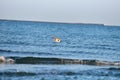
[[56, 39]]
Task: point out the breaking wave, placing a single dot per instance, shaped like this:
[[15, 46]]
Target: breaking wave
[[48, 60]]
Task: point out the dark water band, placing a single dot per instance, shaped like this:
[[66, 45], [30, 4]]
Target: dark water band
[[44, 60]]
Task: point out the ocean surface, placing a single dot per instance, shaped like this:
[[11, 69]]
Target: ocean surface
[[28, 43]]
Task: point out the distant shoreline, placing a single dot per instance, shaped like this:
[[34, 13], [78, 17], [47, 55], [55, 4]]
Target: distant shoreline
[[61, 22], [53, 22]]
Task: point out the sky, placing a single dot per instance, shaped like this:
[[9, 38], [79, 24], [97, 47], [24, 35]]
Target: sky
[[72, 11]]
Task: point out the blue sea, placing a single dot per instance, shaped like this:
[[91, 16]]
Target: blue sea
[[32, 47]]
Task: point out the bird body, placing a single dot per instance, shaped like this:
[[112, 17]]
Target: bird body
[[57, 40]]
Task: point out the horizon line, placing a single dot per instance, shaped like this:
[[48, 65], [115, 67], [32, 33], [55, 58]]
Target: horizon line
[[59, 22]]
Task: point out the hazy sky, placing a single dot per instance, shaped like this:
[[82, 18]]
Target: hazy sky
[[76, 11]]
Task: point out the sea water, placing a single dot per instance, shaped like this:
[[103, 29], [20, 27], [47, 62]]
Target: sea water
[[22, 39]]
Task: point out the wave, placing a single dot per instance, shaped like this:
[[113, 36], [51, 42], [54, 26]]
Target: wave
[[17, 73], [95, 46], [1, 50], [112, 68], [48, 60], [46, 53], [92, 72], [11, 51]]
